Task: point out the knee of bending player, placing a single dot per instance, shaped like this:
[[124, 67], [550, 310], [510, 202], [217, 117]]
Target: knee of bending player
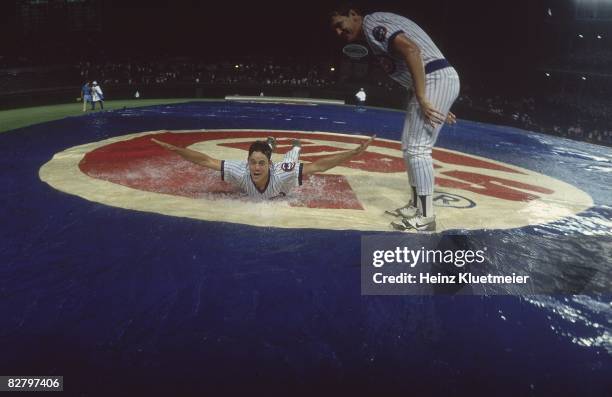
[[417, 152]]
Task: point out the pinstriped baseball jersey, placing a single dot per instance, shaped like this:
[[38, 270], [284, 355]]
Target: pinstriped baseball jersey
[[380, 29], [283, 177]]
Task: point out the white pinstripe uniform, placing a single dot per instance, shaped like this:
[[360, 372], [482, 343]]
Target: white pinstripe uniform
[[441, 90], [283, 176]]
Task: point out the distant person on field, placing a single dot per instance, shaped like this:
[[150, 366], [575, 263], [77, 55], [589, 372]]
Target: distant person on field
[[361, 98], [86, 95], [97, 96]]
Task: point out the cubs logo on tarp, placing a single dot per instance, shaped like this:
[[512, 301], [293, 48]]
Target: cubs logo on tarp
[[380, 33], [471, 192], [442, 199]]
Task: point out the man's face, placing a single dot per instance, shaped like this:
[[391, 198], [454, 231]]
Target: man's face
[[347, 27], [259, 166]]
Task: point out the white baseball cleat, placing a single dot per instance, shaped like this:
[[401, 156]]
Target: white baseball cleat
[[407, 211], [420, 223], [271, 141], [398, 225]]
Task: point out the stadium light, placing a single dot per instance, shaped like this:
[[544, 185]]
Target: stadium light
[[332, 69], [581, 36], [583, 77], [599, 36], [237, 66], [547, 74]]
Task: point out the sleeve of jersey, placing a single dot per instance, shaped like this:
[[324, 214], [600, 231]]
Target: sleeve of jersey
[[232, 171], [381, 29]]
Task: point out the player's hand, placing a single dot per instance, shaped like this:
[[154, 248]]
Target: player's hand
[[164, 144], [364, 145], [432, 115], [451, 118]]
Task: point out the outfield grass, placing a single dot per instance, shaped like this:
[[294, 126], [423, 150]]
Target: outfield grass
[[18, 118]]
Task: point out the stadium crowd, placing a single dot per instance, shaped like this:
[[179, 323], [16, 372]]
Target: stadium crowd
[[266, 72], [563, 114], [597, 60]]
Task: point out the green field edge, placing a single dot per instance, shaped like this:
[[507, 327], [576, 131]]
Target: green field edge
[[14, 119]]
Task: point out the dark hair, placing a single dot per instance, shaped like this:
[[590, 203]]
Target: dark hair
[[343, 9], [261, 146]]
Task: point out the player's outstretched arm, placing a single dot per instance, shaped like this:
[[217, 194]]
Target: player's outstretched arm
[[337, 159], [191, 155], [412, 55]]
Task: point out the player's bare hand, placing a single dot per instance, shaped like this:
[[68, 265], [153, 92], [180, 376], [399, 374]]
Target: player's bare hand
[[432, 115], [364, 145], [164, 144], [451, 118]]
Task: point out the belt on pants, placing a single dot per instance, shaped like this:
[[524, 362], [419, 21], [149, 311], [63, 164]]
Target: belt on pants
[[435, 65]]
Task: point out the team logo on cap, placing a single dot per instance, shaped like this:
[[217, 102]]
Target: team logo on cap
[[355, 51], [472, 192], [380, 33]]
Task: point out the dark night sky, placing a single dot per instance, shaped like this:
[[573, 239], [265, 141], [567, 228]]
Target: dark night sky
[[491, 30], [280, 27]]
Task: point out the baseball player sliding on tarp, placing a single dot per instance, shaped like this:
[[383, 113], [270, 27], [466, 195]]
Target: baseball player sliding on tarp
[[258, 177], [412, 59]]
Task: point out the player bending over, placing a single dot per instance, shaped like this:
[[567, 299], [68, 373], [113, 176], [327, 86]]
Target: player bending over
[[411, 58], [259, 177]]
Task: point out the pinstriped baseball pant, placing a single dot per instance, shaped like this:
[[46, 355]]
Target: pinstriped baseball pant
[[418, 137]]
